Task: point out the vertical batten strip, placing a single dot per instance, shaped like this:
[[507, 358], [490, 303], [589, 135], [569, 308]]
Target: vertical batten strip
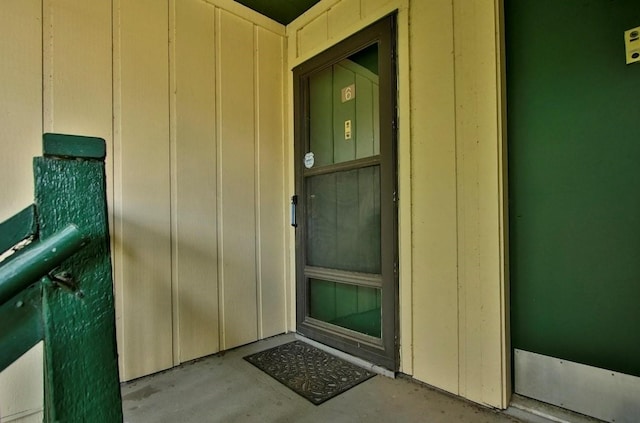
[[270, 167], [220, 221], [173, 186], [118, 274], [284, 205], [460, 353], [287, 279], [503, 201], [467, 151], [290, 54], [110, 160], [216, 161], [497, 388], [47, 66], [257, 190]]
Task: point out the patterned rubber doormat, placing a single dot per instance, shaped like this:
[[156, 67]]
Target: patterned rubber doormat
[[309, 371]]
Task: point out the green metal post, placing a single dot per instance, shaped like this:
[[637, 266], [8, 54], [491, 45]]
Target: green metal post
[[81, 367]]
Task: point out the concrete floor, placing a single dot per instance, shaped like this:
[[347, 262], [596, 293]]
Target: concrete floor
[[228, 389]]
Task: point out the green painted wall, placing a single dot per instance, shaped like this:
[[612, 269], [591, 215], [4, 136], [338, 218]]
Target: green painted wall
[[574, 180]]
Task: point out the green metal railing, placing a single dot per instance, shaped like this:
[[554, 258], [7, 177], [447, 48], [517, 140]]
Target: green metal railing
[[38, 260], [57, 287]]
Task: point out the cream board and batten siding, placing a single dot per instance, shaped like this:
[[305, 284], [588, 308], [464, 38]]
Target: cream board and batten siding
[[142, 213], [153, 78], [204, 270], [20, 101], [21, 395], [481, 196], [453, 315], [78, 76], [21, 122], [194, 164]]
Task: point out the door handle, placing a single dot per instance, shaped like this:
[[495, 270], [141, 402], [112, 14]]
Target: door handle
[[294, 204]]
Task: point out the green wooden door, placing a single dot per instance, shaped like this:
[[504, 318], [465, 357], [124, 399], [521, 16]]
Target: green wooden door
[[345, 181], [574, 175]]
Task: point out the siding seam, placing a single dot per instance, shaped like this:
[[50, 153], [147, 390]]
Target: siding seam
[[257, 192]]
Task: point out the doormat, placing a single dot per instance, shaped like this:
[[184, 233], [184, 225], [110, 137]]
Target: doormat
[[309, 371]]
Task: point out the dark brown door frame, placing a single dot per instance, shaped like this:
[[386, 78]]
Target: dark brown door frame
[[384, 353]]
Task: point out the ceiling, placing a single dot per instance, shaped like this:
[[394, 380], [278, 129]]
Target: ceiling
[[283, 11]]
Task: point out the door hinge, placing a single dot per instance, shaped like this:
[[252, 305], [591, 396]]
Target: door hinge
[[395, 196]]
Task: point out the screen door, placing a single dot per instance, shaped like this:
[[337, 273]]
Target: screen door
[[345, 204]]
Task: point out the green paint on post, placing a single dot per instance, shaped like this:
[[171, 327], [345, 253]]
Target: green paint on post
[[81, 367], [61, 145]]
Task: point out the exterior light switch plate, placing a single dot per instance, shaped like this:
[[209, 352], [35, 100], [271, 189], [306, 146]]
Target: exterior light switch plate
[[632, 45]]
